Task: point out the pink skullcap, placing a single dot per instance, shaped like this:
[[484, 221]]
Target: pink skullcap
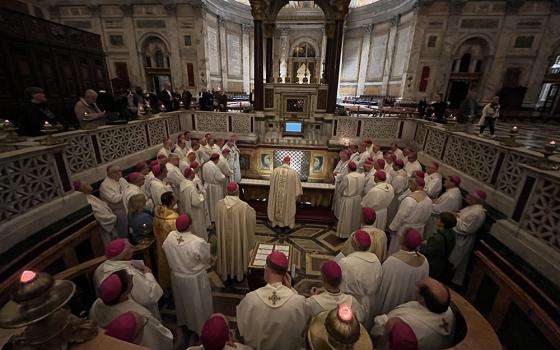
[[77, 185], [362, 238], [381, 175], [110, 289], [152, 163], [392, 156], [156, 169], [368, 162], [183, 222], [214, 156], [135, 176], [480, 194], [194, 165], [403, 337], [420, 182], [380, 162], [286, 159], [352, 165], [456, 179], [435, 164], [331, 270], [162, 156], [279, 259], [369, 214], [419, 173], [399, 162], [188, 172], [412, 239], [122, 327], [114, 248], [232, 187], [140, 166], [226, 150], [215, 333]]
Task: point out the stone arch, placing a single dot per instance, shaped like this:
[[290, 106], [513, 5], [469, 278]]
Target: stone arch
[[144, 37], [306, 39], [488, 40]]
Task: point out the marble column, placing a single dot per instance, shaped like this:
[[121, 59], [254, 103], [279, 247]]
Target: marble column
[[322, 63], [389, 58], [334, 65], [202, 50], [245, 42], [222, 51], [269, 34], [364, 59], [284, 32], [258, 65], [329, 34]]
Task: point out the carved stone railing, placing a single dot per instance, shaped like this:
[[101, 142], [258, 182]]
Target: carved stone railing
[[354, 129], [220, 123]]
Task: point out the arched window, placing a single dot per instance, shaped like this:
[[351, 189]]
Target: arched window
[[465, 63], [158, 57], [303, 50]]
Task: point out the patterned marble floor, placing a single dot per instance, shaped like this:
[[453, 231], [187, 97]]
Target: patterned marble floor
[[531, 135]]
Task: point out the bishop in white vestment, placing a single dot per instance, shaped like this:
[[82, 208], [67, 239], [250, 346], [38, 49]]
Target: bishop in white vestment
[[379, 198], [329, 296], [469, 220], [396, 151], [361, 274], [433, 180], [166, 148], [431, 319], [157, 184], [192, 202], [225, 165], [413, 164], [378, 237], [146, 291], [285, 188], [235, 231], [414, 212], [401, 271], [204, 152], [111, 191], [174, 173], [214, 181], [376, 152], [340, 171], [364, 154], [189, 258], [234, 153], [114, 300], [349, 218], [101, 212], [400, 185], [273, 317], [217, 335], [136, 182], [450, 201]]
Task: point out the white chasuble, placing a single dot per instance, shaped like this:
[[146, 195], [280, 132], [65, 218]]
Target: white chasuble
[[379, 198], [155, 334], [327, 301], [157, 188], [189, 258], [146, 291], [414, 212], [133, 190], [285, 187], [433, 184], [340, 171], [112, 191], [350, 215], [411, 167], [401, 271], [235, 230], [192, 203], [378, 242], [450, 201], [214, 182], [104, 216], [272, 318]]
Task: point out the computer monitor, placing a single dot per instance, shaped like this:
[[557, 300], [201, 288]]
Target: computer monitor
[[293, 127]]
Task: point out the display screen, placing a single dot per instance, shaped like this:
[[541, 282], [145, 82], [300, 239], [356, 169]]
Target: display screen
[[293, 127]]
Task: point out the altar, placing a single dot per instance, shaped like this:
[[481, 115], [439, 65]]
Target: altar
[[314, 194]]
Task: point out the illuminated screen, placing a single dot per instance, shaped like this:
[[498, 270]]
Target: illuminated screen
[[292, 127]]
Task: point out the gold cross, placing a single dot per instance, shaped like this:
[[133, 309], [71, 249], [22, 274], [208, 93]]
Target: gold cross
[[180, 239], [444, 325], [274, 298]]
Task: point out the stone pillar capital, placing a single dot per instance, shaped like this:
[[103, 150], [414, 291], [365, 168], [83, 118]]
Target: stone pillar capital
[[258, 9], [368, 29], [246, 29], [339, 9], [284, 31]]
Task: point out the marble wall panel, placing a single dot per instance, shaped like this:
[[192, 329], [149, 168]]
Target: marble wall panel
[[213, 57], [351, 59], [234, 54], [403, 51], [377, 57]]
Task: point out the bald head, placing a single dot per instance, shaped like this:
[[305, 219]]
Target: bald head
[[433, 295]]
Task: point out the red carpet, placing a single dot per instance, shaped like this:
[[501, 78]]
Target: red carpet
[[304, 213]]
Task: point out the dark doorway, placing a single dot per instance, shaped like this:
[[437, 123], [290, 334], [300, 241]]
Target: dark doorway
[[457, 92]]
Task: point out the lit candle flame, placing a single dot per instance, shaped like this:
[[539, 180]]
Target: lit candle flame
[[27, 276], [46, 123], [345, 313], [553, 142]]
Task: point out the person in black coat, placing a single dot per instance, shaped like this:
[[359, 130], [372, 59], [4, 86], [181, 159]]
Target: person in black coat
[[206, 101], [439, 107], [187, 99], [169, 98], [36, 113]]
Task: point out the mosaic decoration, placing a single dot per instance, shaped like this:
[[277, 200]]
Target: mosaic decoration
[[473, 158], [542, 214], [79, 153], [379, 128], [119, 142], [299, 161], [26, 183]]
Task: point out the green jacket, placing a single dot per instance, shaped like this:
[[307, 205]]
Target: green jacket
[[437, 250]]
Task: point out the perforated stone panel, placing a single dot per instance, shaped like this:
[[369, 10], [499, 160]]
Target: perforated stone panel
[[511, 174], [79, 153], [157, 132], [347, 128], [299, 161], [211, 122], [241, 124], [173, 125], [380, 129], [434, 143], [473, 158], [122, 141]]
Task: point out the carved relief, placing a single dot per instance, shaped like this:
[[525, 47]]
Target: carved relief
[[211, 122], [511, 174], [119, 142], [241, 124], [347, 128], [379, 129], [173, 125], [473, 158], [542, 214], [27, 183], [79, 153]]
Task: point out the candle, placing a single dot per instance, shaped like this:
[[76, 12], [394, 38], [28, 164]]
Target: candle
[[345, 313], [46, 124], [27, 276], [514, 128]]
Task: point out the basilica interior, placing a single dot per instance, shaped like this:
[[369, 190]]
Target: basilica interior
[[300, 79]]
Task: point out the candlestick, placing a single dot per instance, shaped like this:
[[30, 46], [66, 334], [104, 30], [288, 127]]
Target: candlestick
[[548, 150]]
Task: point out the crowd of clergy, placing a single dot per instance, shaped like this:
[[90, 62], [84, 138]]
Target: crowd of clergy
[[406, 233]]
